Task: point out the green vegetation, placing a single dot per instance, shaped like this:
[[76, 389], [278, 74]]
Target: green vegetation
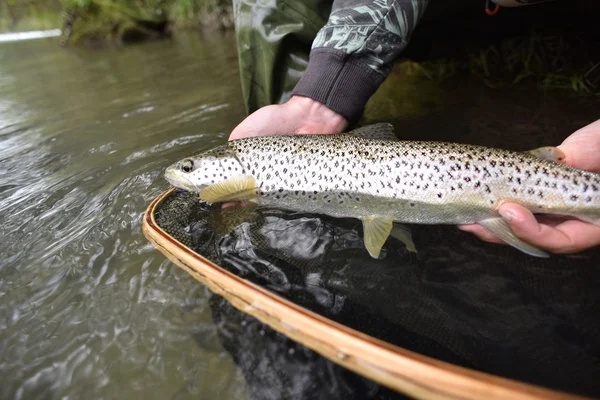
[[548, 57], [114, 20], [550, 60], [119, 20], [23, 15]]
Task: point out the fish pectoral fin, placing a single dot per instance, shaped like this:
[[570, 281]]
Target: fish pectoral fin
[[241, 187], [376, 131], [549, 153], [500, 228], [376, 231], [403, 234]]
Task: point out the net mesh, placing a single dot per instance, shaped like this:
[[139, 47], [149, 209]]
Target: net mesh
[[460, 300]]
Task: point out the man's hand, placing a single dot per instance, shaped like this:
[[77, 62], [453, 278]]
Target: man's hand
[[297, 115], [582, 150]]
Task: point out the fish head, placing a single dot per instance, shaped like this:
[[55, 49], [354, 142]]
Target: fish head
[[207, 168]]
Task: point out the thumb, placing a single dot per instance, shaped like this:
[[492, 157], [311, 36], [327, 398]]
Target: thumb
[[524, 225], [522, 222]]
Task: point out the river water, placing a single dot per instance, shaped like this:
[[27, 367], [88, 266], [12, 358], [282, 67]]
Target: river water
[[89, 307]]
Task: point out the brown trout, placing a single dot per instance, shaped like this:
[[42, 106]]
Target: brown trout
[[371, 175]]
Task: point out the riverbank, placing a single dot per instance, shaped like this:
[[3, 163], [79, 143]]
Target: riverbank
[[114, 21], [33, 15], [549, 45]]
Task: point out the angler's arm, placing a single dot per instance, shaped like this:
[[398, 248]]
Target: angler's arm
[[581, 150], [355, 51], [350, 58]]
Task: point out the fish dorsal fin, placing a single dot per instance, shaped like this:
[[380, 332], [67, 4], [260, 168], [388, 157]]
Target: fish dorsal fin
[[376, 131], [377, 230], [500, 228], [241, 187], [549, 153], [403, 234]]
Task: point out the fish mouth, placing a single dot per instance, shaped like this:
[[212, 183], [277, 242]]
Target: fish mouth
[[179, 180]]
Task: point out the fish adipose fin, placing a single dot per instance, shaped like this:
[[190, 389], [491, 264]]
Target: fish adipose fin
[[500, 228], [237, 188], [376, 131], [376, 230], [403, 234], [549, 153]]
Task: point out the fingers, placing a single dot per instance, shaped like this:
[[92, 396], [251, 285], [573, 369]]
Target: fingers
[[582, 147], [299, 115], [566, 237], [563, 237], [524, 224], [261, 122]]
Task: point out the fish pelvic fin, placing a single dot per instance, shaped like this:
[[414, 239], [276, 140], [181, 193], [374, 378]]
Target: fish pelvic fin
[[376, 232], [241, 187], [224, 221], [549, 153], [382, 130], [403, 234], [500, 228]]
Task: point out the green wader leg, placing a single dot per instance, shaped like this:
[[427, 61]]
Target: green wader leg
[[273, 40]]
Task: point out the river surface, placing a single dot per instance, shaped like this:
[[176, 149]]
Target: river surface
[[88, 306]]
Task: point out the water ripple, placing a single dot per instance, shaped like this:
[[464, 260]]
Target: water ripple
[[89, 307]]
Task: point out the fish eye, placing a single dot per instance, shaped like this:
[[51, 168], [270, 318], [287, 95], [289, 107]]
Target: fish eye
[[187, 165]]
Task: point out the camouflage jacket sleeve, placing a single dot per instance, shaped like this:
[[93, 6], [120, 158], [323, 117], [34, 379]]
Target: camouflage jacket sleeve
[[354, 52]]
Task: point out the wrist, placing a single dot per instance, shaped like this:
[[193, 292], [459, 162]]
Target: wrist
[[316, 117], [343, 82]]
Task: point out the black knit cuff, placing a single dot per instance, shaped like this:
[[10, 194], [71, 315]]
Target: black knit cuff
[[340, 81]]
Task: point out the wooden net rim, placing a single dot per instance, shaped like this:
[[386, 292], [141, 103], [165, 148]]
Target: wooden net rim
[[400, 369]]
